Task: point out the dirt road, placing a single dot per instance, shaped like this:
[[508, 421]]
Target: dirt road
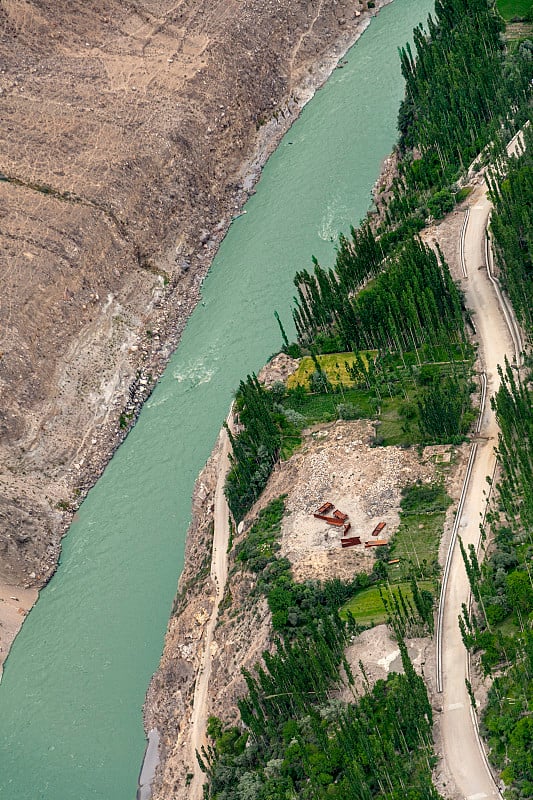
[[461, 747], [219, 573]]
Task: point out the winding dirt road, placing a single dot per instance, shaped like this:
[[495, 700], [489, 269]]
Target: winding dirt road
[[498, 337]]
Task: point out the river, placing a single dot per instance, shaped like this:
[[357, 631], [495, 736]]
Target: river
[[74, 682]]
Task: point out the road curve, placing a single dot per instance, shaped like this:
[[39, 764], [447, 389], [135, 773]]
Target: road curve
[[462, 750]]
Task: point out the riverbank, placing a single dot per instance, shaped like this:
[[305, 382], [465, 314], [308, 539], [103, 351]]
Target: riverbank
[[100, 382], [15, 602]]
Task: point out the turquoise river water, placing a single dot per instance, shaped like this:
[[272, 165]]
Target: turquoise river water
[[74, 683]]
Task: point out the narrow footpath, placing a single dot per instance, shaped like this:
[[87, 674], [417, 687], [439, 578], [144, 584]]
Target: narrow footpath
[[497, 335], [219, 574]]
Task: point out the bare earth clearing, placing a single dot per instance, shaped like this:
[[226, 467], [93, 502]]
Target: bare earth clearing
[[338, 463], [131, 133]]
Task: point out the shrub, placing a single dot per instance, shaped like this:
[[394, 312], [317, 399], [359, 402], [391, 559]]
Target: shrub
[[294, 417], [349, 411], [441, 203]]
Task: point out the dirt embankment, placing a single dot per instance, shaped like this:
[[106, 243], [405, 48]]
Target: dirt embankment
[[131, 134], [168, 705]]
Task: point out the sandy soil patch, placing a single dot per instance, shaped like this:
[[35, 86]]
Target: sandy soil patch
[[15, 602]]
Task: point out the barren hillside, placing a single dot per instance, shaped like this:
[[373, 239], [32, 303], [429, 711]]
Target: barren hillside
[[130, 133]]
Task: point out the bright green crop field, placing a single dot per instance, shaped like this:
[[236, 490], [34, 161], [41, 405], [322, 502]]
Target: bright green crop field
[[514, 8]]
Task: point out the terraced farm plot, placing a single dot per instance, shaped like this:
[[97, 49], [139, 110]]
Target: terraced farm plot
[[333, 364]]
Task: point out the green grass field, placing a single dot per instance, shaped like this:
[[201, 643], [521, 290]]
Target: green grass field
[[416, 542], [393, 429], [367, 607], [323, 407], [514, 8]]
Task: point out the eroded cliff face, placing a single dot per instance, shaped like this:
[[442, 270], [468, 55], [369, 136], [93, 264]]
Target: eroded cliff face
[[241, 635], [131, 132]]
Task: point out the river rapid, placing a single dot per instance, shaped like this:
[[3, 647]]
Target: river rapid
[[74, 683]]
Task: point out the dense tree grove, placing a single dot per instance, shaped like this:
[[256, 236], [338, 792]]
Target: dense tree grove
[[321, 293], [442, 410], [463, 93], [455, 87], [310, 747], [512, 229], [413, 303], [405, 617]]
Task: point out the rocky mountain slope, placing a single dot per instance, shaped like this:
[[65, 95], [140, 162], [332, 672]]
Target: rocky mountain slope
[[131, 133]]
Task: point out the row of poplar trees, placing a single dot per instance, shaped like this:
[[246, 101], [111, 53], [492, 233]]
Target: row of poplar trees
[[413, 303], [512, 229]]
